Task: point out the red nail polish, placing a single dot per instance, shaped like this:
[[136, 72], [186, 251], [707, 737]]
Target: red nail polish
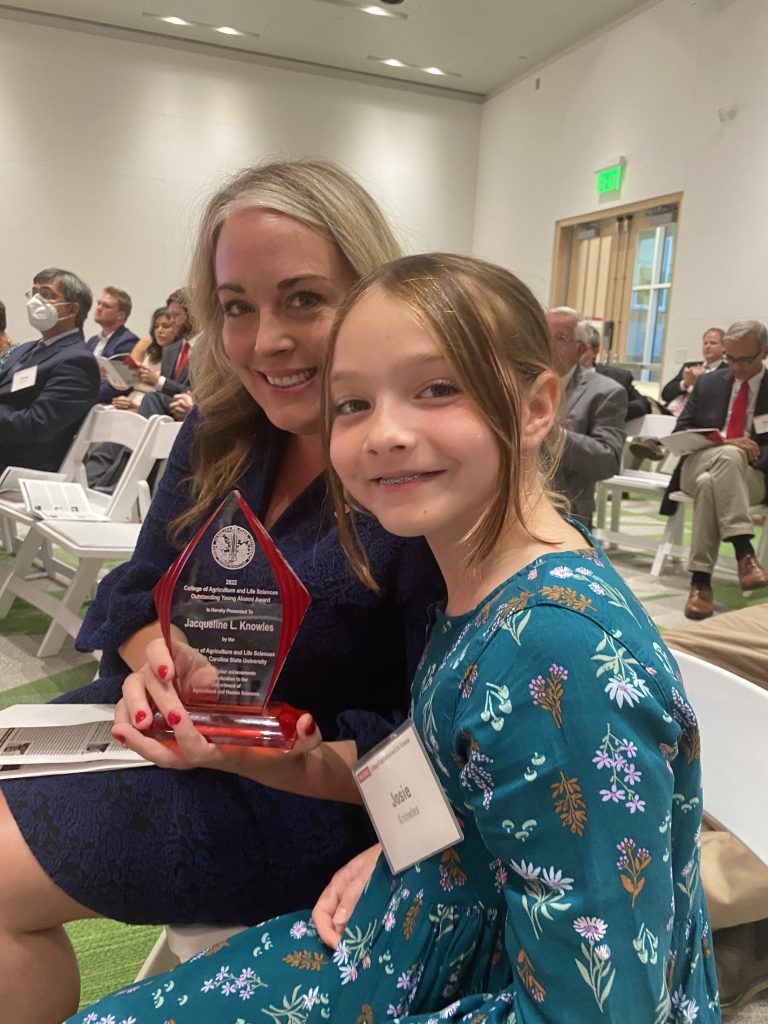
[[173, 718], [140, 716], [311, 727], [162, 671], [119, 738]]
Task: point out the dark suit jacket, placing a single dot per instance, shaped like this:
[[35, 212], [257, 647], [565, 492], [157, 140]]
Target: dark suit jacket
[[596, 409], [673, 388], [121, 342], [707, 406], [638, 404], [159, 402], [37, 423]]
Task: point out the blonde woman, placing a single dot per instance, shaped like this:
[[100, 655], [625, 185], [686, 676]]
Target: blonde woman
[[278, 248]]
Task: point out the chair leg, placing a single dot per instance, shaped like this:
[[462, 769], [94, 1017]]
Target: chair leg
[[18, 570], [66, 620], [160, 959]]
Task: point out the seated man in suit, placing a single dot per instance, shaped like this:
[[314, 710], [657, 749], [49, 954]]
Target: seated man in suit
[[638, 404], [594, 410], [48, 386], [726, 479], [112, 310], [676, 391], [173, 378]]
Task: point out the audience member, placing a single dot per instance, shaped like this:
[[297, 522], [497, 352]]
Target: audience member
[[676, 391], [594, 410], [48, 386], [287, 240], [5, 341], [112, 310], [587, 906], [147, 353], [726, 478], [173, 377], [638, 404]]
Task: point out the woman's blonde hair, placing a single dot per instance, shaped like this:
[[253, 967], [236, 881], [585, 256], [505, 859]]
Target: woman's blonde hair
[[325, 198], [493, 332]]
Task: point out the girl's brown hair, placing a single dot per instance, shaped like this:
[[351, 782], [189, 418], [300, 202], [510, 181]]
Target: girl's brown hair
[[325, 198], [493, 332]]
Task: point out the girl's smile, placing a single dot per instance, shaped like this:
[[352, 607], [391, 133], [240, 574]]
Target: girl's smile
[[406, 441]]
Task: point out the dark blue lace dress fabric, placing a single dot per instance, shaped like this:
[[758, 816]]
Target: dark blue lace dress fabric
[[152, 846]]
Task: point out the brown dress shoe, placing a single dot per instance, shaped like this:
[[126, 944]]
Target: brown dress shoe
[[700, 604], [648, 448], [752, 575], [741, 955]]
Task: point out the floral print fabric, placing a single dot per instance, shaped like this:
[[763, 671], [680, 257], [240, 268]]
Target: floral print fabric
[[557, 723]]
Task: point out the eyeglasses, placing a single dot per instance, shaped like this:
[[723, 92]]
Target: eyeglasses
[[741, 360], [45, 293]]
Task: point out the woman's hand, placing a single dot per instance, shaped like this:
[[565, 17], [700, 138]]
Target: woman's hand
[[339, 898], [154, 682], [148, 376]]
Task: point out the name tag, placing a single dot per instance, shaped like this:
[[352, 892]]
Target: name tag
[[405, 800], [24, 378], [760, 424]]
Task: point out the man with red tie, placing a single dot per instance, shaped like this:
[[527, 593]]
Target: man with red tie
[[727, 478]]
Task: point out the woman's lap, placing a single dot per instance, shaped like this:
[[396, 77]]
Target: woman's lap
[[144, 845]]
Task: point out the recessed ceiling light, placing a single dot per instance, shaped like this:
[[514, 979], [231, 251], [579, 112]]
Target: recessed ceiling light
[[227, 31], [175, 21], [380, 12], [393, 62], [433, 71]]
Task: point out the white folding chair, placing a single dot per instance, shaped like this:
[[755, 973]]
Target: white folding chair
[[733, 724], [90, 543], [176, 945], [635, 481], [102, 424]]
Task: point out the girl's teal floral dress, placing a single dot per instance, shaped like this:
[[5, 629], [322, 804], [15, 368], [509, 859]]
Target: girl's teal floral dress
[[557, 723]]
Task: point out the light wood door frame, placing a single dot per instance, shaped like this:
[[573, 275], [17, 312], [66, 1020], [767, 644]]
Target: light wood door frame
[[614, 280]]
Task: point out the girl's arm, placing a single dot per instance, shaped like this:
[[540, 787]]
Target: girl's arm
[[565, 742]]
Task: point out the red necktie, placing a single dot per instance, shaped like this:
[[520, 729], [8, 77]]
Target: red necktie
[[737, 421], [181, 362]]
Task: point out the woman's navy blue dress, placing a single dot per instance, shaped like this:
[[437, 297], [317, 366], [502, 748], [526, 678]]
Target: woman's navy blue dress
[[147, 845]]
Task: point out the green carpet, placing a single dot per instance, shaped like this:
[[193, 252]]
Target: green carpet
[[110, 954]]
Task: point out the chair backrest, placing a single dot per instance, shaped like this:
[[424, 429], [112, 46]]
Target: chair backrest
[[159, 448], [733, 723], [103, 423], [651, 425]]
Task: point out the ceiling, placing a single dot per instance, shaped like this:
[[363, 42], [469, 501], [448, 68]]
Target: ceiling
[[480, 45]]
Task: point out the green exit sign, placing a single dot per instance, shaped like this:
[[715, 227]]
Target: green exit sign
[[609, 179]]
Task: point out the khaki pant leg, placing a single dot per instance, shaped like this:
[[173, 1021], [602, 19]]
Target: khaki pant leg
[[736, 641], [735, 881], [723, 487]]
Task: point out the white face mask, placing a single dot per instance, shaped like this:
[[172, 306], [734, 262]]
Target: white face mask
[[43, 315]]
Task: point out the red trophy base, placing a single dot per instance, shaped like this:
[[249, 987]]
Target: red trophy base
[[274, 726]]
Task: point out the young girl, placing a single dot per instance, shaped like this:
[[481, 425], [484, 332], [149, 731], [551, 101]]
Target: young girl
[[552, 712]]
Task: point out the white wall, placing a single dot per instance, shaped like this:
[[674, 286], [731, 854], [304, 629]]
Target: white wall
[[649, 90], [108, 147]]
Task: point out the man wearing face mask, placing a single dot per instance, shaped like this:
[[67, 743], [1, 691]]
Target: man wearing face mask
[[48, 386]]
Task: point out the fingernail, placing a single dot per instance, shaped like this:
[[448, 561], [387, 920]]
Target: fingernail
[[140, 716], [162, 671], [173, 718], [311, 727], [119, 737]]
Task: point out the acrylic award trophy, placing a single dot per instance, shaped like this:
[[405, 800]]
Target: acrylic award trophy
[[239, 606]]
